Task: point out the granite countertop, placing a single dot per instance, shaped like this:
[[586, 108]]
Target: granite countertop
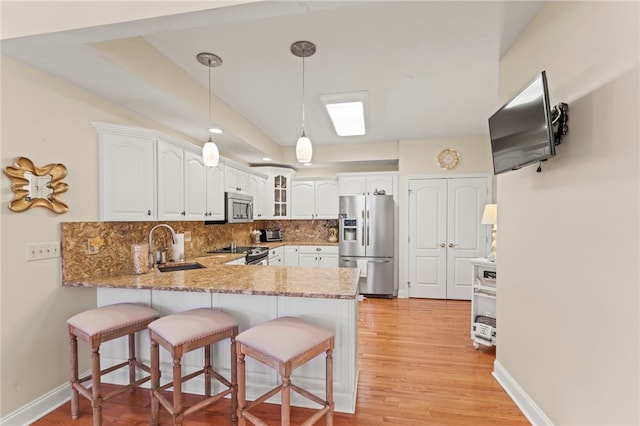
[[216, 277]]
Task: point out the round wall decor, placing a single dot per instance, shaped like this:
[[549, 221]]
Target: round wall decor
[[447, 159]]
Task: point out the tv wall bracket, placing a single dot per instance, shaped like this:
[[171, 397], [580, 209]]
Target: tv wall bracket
[[559, 118]]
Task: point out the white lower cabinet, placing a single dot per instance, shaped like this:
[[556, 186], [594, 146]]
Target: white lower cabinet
[[318, 256], [290, 255], [340, 315], [276, 256]]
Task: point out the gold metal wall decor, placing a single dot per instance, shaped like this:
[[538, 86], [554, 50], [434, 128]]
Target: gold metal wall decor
[[37, 186]]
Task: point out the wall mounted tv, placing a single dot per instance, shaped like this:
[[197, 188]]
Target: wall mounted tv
[[521, 131]]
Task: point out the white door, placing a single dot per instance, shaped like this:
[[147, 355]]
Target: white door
[[303, 199], [427, 238], [195, 186], [127, 178], [444, 233], [170, 182], [215, 193], [327, 199]]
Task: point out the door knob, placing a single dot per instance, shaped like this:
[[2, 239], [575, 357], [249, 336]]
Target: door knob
[[443, 245], [451, 245]]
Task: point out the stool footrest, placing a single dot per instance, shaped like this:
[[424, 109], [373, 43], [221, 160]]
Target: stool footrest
[[207, 401], [316, 416], [308, 394], [126, 388], [253, 419], [263, 398]]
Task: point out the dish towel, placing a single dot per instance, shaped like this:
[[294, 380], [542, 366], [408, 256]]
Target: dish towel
[[362, 266]]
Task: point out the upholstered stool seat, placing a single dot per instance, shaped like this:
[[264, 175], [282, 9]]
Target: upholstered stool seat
[[285, 344], [181, 333], [96, 326]]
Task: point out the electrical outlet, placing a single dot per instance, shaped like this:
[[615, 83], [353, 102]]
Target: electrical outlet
[[40, 251], [187, 235]]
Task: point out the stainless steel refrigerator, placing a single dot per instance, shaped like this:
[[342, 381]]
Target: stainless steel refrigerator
[[367, 241]]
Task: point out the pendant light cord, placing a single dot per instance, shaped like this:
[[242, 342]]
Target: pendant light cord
[[209, 97], [303, 95]]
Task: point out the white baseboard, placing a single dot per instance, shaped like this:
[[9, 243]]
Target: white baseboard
[[403, 293], [37, 408], [531, 411]]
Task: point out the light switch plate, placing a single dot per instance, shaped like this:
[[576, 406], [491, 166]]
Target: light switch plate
[[40, 251]]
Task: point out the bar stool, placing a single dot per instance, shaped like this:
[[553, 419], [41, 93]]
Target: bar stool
[[181, 333], [285, 344], [96, 326]]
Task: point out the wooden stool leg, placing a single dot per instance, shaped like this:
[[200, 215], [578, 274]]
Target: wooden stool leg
[[155, 381], [285, 408], [132, 358], [207, 370], [96, 387], [242, 396], [73, 374], [177, 391], [234, 383], [329, 386]]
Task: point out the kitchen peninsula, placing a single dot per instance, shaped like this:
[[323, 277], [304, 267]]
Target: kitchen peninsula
[[252, 294]]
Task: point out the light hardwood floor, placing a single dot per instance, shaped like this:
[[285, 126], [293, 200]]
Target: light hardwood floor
[[417, 367]]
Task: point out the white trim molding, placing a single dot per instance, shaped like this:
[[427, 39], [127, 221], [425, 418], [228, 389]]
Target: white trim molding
[[531, 411], [38, 408]]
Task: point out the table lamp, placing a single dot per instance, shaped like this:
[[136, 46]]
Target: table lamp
[[490, 217]]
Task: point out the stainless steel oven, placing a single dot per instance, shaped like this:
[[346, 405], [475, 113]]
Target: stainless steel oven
[[238, 207]]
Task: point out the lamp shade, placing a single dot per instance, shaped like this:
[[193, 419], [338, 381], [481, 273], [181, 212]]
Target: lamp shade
[[210, 154], [304, 150], [490, 215]]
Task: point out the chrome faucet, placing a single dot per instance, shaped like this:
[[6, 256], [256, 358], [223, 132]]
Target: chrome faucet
[[173, 239]]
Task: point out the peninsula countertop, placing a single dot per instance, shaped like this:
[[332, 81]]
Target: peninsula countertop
[[216, 277]]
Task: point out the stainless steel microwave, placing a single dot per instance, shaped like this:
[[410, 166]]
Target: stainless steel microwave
[[238, 207]]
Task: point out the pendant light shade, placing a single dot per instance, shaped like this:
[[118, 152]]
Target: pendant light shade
[[304, 149], [210, 153]]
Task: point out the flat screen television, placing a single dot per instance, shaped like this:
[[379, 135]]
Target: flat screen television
[[521, 131]]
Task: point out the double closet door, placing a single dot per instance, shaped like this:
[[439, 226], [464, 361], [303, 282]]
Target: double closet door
[[445, 233]]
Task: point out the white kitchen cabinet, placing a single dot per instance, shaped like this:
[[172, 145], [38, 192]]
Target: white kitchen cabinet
[[195, 186], [215, 193], [170, 181], [318, 256], [236, 180], [127, 178], [314, 199], [290, 255], [276, 256], [483, 303], [258, 189], [278, 187], [368, 184]]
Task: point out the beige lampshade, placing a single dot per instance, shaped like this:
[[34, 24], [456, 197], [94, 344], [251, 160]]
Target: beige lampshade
[[490, 215]]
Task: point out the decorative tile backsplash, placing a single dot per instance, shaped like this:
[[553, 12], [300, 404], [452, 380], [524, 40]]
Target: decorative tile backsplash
[[81, 258]]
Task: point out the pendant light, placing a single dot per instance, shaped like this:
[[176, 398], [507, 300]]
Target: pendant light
[[210, 153], [304, 149]]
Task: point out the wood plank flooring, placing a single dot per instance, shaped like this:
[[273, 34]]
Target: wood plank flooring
[[417, 367]]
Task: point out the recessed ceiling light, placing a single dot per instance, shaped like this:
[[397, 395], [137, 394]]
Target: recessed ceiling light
[[347, 112], [307, 164], [215, 130], [266, 159]]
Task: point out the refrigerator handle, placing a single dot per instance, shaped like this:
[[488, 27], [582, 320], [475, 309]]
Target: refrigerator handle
[[363, 232], [368, 225], [379, 261]]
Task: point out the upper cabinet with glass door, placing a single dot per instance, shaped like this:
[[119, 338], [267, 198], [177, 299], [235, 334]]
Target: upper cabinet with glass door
[[279, 187]]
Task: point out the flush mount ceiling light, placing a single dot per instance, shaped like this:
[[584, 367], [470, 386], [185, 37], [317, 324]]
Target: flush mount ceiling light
[[304, 149], [347, 112], [215, 130], [210, 153]]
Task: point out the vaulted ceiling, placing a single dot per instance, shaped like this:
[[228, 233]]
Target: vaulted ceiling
[[430, 68]]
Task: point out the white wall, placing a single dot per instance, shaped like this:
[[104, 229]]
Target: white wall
[[568, 244]]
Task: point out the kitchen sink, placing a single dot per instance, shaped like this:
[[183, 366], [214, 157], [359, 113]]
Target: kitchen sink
[[182, 267]]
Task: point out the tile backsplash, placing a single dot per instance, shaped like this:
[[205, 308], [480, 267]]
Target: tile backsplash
[[114, 255]]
